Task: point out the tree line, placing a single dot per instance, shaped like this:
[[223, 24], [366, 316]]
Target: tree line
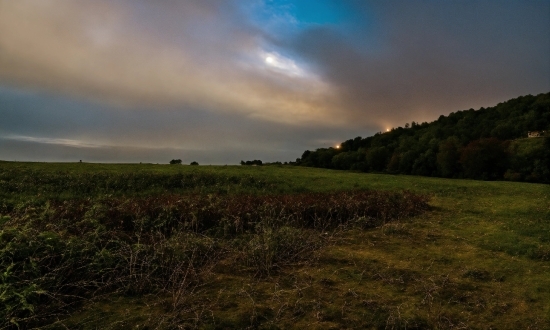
[[485, 144], [178, 162], [256, 162]]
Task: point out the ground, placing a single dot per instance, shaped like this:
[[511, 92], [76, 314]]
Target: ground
[[479, 258]]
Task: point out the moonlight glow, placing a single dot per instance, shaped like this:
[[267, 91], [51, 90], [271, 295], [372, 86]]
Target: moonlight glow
[[284, 65]]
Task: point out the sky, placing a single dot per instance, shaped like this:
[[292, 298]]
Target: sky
[[220, 81]]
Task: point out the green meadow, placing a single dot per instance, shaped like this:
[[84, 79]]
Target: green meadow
[[144, 246]]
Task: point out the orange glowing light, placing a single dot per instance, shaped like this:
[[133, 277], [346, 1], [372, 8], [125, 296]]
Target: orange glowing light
[[337, 147]]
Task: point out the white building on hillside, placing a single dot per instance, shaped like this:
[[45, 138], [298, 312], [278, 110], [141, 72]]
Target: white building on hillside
[[535, 134]]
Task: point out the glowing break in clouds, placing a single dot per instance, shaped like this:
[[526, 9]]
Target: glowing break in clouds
[[156, 54], [284, 65]]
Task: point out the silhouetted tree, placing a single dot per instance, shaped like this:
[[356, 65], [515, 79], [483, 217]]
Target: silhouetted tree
[[393, 165], [377, 158], [425, 164], [252, 162], [484, 159], [448, 157]]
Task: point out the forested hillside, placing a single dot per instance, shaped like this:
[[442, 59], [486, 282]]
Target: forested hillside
[[487, 144]]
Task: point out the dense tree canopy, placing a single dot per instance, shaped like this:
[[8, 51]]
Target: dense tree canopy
[[487, 144]]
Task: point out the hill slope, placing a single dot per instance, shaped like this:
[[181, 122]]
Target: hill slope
[[476, 144]]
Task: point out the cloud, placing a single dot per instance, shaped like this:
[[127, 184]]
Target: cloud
[[165, 53], [45, 140], [373, 62], [418, 60], [35, 125], [252, 78]]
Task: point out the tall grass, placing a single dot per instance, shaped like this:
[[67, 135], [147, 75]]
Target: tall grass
[[69, 184], [247, 253], [61, 253]]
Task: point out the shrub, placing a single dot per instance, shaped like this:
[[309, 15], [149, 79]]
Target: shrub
[[273, 248]]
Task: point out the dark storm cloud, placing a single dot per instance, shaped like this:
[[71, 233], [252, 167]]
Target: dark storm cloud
[[418, 59]]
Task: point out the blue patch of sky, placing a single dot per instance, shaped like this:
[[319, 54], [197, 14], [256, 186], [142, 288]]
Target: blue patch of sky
[[285, 19], [287, 16], [312, 12]]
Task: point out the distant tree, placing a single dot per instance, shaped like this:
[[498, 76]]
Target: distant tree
[[360, 166], [344, 160], [377, 158], [194, 163], [325, 157], [393, 165], [425, 164], [175, 161], [448, 157], [406, 162], [252, 162], [351, 144], [484, 159], [542, 168], [504, 131], [529, 160]]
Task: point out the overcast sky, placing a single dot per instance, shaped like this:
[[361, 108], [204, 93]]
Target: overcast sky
[[219, 81]]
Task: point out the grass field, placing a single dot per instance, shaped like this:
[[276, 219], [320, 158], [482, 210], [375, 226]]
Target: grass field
[[95, 246]]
